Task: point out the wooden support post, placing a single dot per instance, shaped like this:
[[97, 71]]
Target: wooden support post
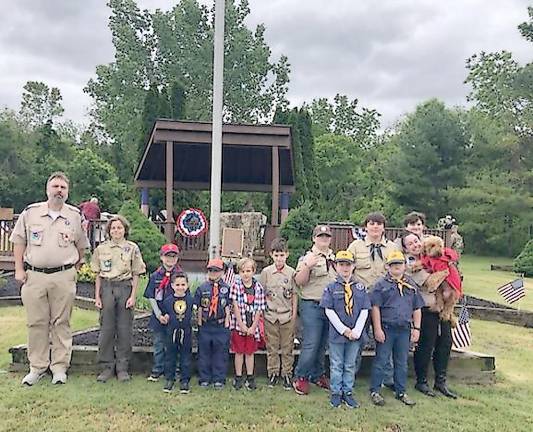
[[275, 186], [169, 227]]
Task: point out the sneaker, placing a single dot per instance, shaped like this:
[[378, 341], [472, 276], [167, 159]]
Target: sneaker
[[250, 383], [287, 382], [405, 399], [301, 386], [204, 384], [154, 377], [169, 386], [335, 400], [218, 385], [349, 401], [273, 381], [184, 387], [237, 382], [323, 382], [59, 378], [377, 399], [32, 378], [123, 376], [105, 375]]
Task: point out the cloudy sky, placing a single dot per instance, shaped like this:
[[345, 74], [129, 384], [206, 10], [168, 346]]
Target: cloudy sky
[[390, 54]]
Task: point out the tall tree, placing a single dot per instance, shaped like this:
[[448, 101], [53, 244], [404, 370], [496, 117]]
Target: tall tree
[[40, 104], [431, 149]]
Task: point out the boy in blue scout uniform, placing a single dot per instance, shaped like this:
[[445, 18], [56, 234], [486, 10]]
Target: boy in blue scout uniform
[[177, 308], [396, 316], [158, 287], [212, 299], [346, 303]]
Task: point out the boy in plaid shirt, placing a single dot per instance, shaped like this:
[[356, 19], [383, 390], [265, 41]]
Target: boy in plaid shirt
[[248, 298]]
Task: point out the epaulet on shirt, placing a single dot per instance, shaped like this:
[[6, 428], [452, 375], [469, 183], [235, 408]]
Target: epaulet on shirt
[[73, 208], [34, 205]]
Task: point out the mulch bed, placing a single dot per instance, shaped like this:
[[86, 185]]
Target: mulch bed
[[142, 335], [85, 289], [11, 288]]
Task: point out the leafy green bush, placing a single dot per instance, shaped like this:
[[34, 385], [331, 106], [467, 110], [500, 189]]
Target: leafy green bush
[[145, 233], [298, 230], [524, 262], [85, 274]]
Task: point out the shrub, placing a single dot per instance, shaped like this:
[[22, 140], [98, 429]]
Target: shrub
[[524, 262], [145, 233], [85, 274], [298, 230]]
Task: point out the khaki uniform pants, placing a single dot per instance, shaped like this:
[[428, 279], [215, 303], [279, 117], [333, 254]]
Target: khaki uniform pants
[[116, 323], [48, 299], [279, 337]]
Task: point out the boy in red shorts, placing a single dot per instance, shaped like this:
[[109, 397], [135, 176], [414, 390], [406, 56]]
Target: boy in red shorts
[[249, 303]]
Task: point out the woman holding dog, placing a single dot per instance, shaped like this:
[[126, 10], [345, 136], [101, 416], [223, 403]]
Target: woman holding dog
[[435, 335]]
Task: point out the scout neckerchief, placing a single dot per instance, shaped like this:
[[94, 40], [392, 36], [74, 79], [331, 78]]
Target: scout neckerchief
[[348, 297], [376, 248], [249, 299], [214, 300], [329, 256], [401, 284], [164, 282]]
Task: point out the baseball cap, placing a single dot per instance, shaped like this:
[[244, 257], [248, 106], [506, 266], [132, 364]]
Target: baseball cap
[[395, 257], [169, 248], [344, 256], [322, 229], [215, 263]]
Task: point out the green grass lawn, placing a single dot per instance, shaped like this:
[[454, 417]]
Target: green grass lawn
[[479, 281], [84, 405]]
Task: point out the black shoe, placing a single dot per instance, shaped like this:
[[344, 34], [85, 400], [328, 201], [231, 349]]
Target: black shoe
[[237, 382], [273, 381], [443, 388], [250, 383], [169, 386], [424, 389], [184, 387], [287, 382]]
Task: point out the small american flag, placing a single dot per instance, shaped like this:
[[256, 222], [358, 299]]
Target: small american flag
[[229, 276], [461, 336], [513, 291]]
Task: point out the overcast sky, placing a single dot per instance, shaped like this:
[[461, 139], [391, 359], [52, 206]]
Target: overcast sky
[[390, 54]]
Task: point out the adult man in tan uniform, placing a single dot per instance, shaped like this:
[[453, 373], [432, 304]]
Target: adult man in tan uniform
[[49, 243]]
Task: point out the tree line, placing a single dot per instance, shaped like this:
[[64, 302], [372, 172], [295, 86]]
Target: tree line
[[475, 163]]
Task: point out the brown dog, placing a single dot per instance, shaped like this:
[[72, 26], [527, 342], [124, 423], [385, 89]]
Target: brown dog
[[436, 260]]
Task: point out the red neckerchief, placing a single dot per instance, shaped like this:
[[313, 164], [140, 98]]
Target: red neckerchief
[[165, 282], [214, 300]]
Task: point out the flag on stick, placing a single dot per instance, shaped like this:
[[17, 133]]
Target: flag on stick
[[229, 276], [513, 291], [461, 336]]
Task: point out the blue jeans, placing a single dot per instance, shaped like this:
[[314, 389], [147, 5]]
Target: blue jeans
[[342, 358], [397, 344], [213, 352], [159, 352], [388, 374], [178, 344], [315, 334]]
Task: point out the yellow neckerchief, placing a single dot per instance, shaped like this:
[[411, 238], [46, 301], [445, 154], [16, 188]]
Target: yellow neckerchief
[[348, 297], [401, 284]]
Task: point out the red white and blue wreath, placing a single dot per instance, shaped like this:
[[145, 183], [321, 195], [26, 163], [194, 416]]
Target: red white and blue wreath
[[191, 222]]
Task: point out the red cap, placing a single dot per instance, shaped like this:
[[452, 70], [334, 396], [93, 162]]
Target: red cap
[[215, 263], [169, 248]]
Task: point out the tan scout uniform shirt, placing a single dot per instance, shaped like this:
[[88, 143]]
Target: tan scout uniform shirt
[[279, 289], [117, 261], [368, 271], [50, 243], [319, 277]]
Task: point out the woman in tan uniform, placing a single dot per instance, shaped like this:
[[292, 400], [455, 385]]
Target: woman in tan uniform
[[118, 264]]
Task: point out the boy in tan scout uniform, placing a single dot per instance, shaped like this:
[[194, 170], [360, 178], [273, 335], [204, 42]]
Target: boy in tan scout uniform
[[370, 253], [280, 315], [117, 263], [49, 243], [314, 272]]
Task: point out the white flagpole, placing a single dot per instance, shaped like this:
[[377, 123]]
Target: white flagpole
[[216, 149]]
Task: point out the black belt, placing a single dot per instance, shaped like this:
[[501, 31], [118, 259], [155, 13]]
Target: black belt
[[310, 300], [47, 270]]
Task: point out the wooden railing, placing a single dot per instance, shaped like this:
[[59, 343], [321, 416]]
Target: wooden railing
[[6, 227]]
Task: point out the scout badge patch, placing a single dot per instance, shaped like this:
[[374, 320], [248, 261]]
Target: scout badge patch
[[106, 265], [287, 292], [205, 302], [180, 307]]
